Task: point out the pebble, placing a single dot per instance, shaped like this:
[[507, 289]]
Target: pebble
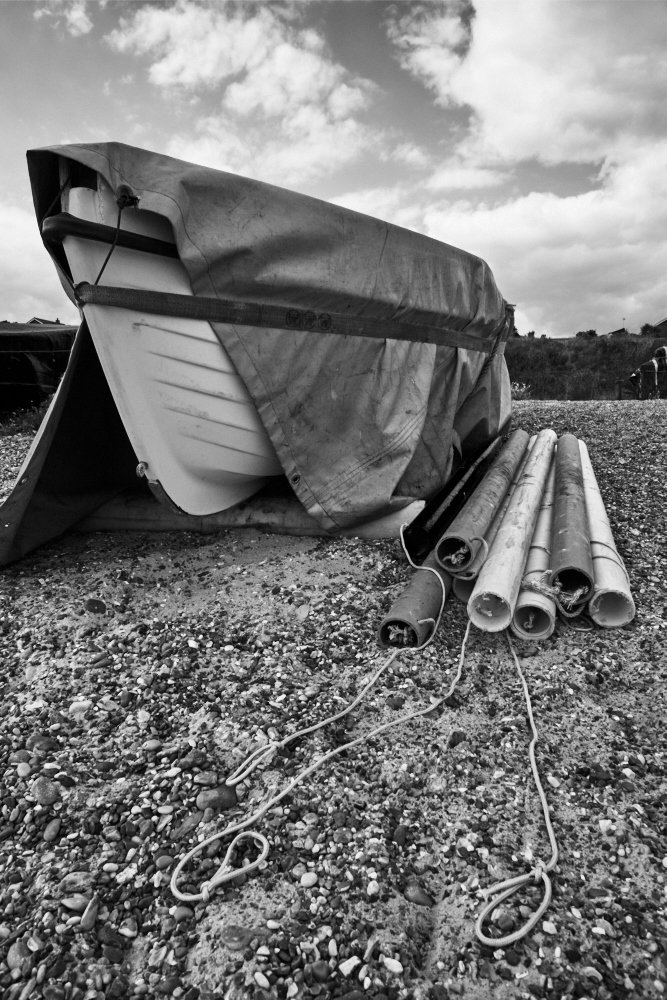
[[77, 902], [23, 769], [321, 971], [51, 830], [222, 797], [414, 893], [373, 889], [45, 791], [262, 981], [308, 880], [548, 927], [349, 965], [17, 954], [89, 915], [95, 606], [392, 965]]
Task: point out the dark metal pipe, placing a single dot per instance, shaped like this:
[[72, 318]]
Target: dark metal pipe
[[412, 618], [571, 564]]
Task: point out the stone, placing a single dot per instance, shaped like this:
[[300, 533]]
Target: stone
[[77, 902], [349, 965], [51, 830], [17, 954], [415, 894], [308, 880], [44, 791], [222, 797], [392, 965]]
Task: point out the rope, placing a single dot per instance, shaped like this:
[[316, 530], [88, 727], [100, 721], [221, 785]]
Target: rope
[[225, 872], [112, 247], [563, 599], [540, 871], [427, 569]]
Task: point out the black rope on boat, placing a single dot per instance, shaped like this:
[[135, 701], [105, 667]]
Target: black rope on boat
[[124, 199]]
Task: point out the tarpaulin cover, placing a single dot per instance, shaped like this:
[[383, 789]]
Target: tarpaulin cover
[[357, 423], [32, 359]]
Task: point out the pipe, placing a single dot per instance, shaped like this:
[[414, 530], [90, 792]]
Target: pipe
[[438, 513], [412, 618], [611, 605], [571, 564], [492, 602], [464, 584], [463, 539], [535, 612]]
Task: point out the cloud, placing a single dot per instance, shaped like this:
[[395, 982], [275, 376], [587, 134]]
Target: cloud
[[74, 15], [285, 108], [578, 262], [556, 83], [562, 82], [27, 276]]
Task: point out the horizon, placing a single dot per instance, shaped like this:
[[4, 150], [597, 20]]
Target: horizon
[[541, 150]]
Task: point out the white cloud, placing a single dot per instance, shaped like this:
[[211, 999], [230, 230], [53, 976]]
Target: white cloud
[[578, 262], [27, 276], [288, 112], [74, 15], [556, 81]]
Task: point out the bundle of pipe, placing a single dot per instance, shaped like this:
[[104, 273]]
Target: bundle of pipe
[[493, 600], [571, 564], [463, 540], [611, 605], [535, 611], [464, 583], [412, 618]]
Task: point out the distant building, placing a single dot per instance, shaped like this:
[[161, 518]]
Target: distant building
[[660, 329], [622, 332]]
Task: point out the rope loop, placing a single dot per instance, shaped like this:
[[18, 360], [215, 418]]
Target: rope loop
[[252, 761], [501, 892]]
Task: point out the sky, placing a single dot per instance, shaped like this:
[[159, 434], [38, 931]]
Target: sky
[[532, 133]]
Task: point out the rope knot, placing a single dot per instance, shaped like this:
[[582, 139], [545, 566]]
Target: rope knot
[[205, 891], [538, 871]]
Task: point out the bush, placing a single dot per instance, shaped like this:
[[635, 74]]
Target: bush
[[521, 390]]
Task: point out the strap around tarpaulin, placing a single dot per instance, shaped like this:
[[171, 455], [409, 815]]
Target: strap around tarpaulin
[[276, 317]]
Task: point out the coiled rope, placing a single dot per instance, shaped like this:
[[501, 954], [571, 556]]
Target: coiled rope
[[225, 872], [497, 894], [501, 891]]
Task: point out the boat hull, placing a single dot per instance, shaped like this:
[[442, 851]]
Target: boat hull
[[189, 417]]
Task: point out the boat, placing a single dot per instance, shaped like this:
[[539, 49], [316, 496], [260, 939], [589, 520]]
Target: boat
[[194, 428], [240, 340]]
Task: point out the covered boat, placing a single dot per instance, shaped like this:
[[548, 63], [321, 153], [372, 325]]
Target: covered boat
[[238, 336]]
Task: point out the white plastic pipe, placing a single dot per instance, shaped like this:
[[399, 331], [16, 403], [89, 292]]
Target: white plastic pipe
[[492, 602], [461, 543], [611, 605], [464, 584], [535, 612]]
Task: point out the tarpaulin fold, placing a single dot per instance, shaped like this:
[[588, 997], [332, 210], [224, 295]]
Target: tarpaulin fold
[[356, 423]]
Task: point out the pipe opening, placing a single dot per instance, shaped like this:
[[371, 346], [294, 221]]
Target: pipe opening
[[489, 612], [454, 554], [399, 634], [531, 622], [575, 587], [611, 609]]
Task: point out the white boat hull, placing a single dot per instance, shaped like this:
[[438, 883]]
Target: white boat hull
[[188, 415]]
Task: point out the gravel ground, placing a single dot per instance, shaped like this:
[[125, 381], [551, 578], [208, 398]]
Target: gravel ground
[[138, 671]]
